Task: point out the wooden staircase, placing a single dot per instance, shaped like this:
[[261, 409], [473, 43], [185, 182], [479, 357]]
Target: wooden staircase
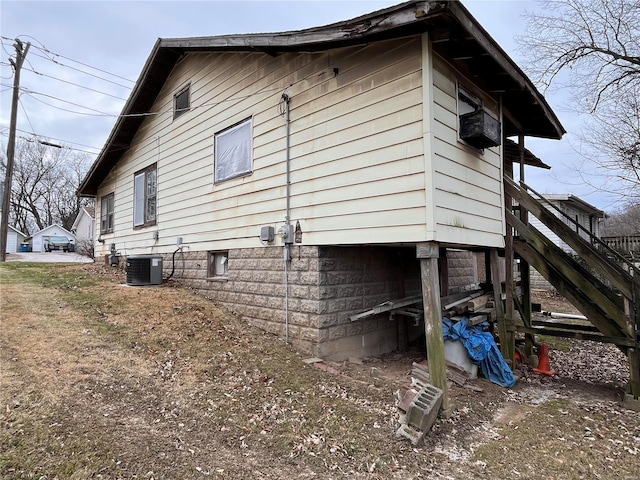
[[599, 282]]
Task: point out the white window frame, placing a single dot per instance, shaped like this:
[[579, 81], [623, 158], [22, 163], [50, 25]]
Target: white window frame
[[107, 207], [145, 194], [233, 151]]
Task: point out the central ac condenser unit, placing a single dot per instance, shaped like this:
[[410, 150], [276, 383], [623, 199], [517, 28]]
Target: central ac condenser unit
[[144, 270]]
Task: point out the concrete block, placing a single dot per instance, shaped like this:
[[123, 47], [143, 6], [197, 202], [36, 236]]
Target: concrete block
[[414, 436], [309, 278], [299, 291], [455, 352], [424, 408], [407, 398], [309, 306], [309, 334], [301, 265]]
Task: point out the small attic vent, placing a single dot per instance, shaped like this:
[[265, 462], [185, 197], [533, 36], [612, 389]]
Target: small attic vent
[[144, 270]]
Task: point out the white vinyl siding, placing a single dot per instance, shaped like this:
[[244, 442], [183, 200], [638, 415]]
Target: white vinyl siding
[[467, 183]]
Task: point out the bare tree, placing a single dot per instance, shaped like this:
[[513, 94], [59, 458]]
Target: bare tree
[[44, 186], [593, 48], [625, 221]]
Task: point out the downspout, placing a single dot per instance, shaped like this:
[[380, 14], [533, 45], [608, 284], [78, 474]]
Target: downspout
[[287, 253]]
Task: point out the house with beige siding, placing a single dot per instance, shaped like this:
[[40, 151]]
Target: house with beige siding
[[298, 178]]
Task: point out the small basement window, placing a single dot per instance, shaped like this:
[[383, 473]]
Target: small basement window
[[218, 265], [182, 102]]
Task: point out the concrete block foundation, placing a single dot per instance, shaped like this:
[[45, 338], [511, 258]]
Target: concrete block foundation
[[321, 288]]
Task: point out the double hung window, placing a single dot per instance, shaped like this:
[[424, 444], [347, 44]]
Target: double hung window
[[145, 186], [106, 213]]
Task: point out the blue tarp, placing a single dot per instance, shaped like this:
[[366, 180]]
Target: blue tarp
[[482, 349]]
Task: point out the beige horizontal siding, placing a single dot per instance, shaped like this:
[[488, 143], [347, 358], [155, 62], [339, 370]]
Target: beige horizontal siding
[[357, 169], [467, 183]]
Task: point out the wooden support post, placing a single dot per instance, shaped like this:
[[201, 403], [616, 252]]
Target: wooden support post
[[428, 254], [633, 354], [507, 339], [525, 271], [507, 344], [634, 368]]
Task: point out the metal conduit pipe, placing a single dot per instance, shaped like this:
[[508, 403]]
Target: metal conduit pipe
[[286, 251]]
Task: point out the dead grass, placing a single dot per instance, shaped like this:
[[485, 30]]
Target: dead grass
[[100, 380]]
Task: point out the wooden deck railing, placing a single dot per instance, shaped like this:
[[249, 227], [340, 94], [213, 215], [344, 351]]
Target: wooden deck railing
[[623, 243]]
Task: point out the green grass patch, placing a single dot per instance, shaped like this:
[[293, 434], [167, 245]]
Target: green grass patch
[[557, 343]]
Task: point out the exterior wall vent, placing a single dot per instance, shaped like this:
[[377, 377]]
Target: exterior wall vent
[[144, 270]]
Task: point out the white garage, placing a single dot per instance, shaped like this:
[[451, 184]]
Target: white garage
[[37, 240], [14, 239]]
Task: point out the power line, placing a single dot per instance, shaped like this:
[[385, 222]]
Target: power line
[[97, 114], [51, 58], [84, 72], [74, 84], [44, 49], [52, 138], [44, 142], [25, 113], [135, 115]]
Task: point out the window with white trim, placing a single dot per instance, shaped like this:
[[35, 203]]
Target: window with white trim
[[233, 151], [106, 213], [145, 186]]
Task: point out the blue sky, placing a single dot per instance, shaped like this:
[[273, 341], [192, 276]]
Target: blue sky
[[117, 37]]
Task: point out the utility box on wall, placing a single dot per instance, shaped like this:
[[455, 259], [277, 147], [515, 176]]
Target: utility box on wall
[[144, 270], [480, 129]]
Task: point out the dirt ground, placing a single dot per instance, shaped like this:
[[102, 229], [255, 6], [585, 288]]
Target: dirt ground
[[101, 380]]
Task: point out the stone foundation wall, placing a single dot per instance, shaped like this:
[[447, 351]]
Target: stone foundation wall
[[326, 286], [463, 269]]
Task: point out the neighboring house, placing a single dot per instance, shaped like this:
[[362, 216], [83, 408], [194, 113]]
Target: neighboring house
[[341, 149], [579, 215], [85, 224], [37, 239], [14, 239]]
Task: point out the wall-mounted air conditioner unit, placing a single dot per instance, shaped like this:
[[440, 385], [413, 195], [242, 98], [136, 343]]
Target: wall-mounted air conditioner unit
[[480, 129], [144, 270]]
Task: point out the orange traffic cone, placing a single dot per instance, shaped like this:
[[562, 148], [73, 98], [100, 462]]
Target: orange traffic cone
[[543, 366]]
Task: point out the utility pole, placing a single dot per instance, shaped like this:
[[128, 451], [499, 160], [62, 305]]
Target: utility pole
[[21, 53]]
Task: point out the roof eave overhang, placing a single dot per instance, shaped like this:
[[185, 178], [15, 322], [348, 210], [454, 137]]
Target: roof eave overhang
[[443, 19]]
